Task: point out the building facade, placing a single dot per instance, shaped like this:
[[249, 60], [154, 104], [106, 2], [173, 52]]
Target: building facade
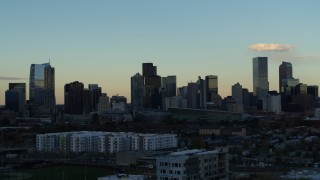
[[102, 142], [194, 165], [136, 92], [285, 72], [73, 98], [42, 86], [260, 79]]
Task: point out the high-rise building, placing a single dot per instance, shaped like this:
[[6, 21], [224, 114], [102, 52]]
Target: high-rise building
[[245, 98], [192, 95], [301, 88], [285, 72], [12, 100], [104, 104], [148, 69], [49, 89], [237, 93], [73, 98], [152, 84], [95, 93], [42, 86], [237, 96], [169, 84], [260, 79], [137, 92], [86, 101], [313, 90], [21, 89], [211, 88], [202, 95]]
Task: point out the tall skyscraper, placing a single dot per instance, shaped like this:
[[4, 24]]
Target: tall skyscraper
[[136, 92], [237, 96], [202, 95], [313, 90], [169, 84], [211, 88], [148, 69], [285, 72], [237, 93], [95, 93], [73, 98], [192, 95], [42, 86], [152, 84], [20, 88], [49, 89], [260, 79]]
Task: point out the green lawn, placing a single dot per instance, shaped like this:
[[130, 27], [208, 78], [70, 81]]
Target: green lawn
[[65, 173]]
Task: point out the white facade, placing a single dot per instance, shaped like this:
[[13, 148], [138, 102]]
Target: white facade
[[274, 103], [193, 164], [111, 142]]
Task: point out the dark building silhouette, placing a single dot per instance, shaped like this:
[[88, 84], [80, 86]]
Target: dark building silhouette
[[245, 98], [148, 69], [95, 93], [285, 72], [300, 89], [152, 84], [260, 80], [12, 100], [87, 107], [169, 84], [192, 95], [211, 88], [73, 98], [137, 92], [313, 90], [20, 88], [202, 94]]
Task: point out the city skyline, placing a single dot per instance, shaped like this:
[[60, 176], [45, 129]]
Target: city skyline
[[105, 43]]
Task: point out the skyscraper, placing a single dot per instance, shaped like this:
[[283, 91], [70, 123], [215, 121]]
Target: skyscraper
[[136, 92], [42, 86], [260, 79], [237, 96], [192, 95], [20, 88], [169, 84], [237, 93], [152, 84], [148, 69], [95, 93], [211, 88], [49, 89], [73, 98], [285, 72]]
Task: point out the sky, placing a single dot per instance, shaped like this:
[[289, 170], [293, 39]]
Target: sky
[[105, 42]]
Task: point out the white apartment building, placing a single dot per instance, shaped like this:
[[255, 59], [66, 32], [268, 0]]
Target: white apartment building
[[193, 165], [111, 142]]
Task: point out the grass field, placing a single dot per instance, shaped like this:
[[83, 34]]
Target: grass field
[[58, 173]]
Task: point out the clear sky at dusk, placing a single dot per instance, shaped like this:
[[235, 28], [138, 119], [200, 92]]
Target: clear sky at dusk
[[105, 42]]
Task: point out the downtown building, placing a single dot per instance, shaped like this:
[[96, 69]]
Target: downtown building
[[15, 97], [260, 81], [193, 164], [42, 87], [103, 142]]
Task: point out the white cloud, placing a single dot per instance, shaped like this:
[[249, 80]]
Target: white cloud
[[10, 78], [270, 47]]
